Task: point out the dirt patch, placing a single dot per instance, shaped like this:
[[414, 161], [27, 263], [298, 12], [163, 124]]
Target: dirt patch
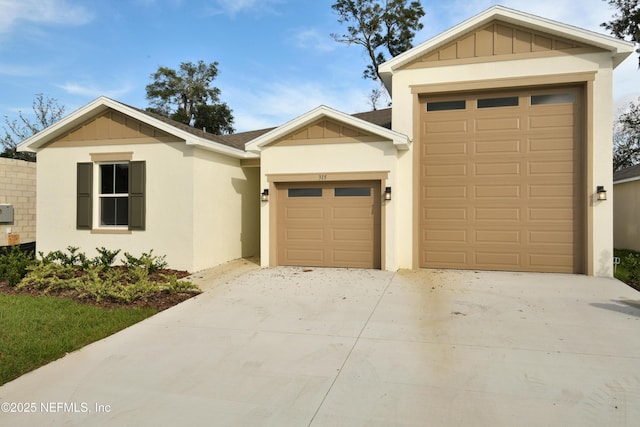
[[158, 301]]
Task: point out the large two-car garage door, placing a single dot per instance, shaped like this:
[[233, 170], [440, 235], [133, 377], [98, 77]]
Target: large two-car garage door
[[501, 181], [329, 224]]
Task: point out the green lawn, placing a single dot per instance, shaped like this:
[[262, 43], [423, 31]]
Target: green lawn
[[37, 330]]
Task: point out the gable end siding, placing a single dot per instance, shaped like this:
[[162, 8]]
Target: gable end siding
[[109, 128], [497, 40]]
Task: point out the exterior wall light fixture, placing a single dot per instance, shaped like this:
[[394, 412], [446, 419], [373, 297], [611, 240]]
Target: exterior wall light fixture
[[601, 193], [387, 193], [265, 195]]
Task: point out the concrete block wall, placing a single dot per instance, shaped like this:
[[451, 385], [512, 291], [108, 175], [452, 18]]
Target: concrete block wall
[[18, 188]]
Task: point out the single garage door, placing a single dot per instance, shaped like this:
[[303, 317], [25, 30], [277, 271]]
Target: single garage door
[[329, 224], [502, 181]]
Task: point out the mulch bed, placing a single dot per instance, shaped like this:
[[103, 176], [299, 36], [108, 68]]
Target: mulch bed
[[159, 301]]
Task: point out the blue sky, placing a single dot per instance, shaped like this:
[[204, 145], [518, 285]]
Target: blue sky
[[276, 58]]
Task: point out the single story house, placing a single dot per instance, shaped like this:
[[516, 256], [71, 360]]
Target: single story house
[[499, 135], [626, 208]]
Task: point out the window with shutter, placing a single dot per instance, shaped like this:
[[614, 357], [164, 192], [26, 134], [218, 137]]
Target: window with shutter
[[120, 200]]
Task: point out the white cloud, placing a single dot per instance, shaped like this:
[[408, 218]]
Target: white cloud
[[61, 12], [22, 70], [314, 40], [233, 7], [94, 91], [273, 105]]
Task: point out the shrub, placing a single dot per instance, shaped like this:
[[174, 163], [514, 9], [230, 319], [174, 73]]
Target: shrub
[[632, 263], [105, 258], [73, 259], [14, 264], [147, 261]]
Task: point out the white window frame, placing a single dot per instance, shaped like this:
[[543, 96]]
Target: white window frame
[[99, 196]]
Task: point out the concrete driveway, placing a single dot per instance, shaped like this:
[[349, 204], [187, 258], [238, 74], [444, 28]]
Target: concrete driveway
[[340, 347]]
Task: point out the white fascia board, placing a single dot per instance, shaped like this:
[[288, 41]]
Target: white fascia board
[[400, 141], [102, 103], [622, 181], [34, 142], [619, 49]]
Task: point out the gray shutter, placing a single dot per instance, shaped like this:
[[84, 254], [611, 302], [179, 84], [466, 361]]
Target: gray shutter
[[137, 182], [84, 204]]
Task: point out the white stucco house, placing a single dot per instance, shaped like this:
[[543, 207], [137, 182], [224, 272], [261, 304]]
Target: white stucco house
[[499, 135], [626, 205]]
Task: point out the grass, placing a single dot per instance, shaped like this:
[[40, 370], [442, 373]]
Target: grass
[[36, 330]]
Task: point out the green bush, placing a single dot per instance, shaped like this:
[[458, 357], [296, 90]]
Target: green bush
[[147, 261], [98, 283], [632, 263], [106, 258], [14, 264], [73, 259]]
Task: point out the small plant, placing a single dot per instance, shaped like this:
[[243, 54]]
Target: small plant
[[73, 259], [106, 258], [14, 264], [175, 286], [148, 261]]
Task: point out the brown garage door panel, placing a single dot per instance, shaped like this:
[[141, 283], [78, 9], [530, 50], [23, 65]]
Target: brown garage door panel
[[303, 256], [304, 234], [501, 188], [339, 228]]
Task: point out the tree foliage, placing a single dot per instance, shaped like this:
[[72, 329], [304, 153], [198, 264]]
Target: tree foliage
[[187, 95], [46, 111], [626, 22], [626, 140], [380, 26]]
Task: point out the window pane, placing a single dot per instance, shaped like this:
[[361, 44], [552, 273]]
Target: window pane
[[106, 179], [108, 211], [122, 178], [114, 210], [511, 101], [122, 210], [353, 191], [556, 98], [305, 192], [446, 105]]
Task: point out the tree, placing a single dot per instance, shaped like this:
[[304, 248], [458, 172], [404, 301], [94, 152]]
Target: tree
[[626, 140], [380, 26], [626, 22], [46, 110], [188, 96]]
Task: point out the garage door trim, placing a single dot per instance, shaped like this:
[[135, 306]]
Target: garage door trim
[[584, 216], [274, 180]]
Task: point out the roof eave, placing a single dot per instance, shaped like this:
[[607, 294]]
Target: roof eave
[[619, 49], [37, 141], [400, 141], [631, 179]]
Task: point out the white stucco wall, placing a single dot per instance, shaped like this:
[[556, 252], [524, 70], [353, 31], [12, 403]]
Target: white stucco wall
[[344, 157], [626, 202], [169, 200], [226, 209], [500, 73]]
